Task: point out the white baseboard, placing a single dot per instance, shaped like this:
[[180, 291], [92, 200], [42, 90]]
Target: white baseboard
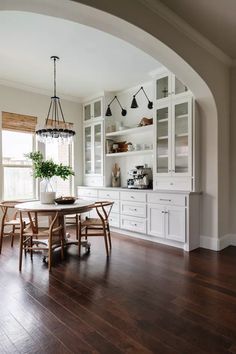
[[217, 244]]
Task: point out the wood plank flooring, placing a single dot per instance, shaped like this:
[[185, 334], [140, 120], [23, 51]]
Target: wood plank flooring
[[146, 298]]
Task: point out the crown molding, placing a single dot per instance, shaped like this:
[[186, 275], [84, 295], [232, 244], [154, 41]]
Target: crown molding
[[24, 87], [176, 21]]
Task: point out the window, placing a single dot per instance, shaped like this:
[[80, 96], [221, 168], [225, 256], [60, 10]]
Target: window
[[17, 170], [61, 154]]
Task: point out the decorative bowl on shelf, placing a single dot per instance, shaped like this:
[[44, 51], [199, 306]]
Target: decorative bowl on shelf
[[65, 200]]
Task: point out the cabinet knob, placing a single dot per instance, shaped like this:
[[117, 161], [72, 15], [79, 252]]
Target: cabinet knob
[[132, 197]]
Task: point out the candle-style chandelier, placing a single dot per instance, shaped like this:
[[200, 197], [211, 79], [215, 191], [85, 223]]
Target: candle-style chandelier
[[55, 128]]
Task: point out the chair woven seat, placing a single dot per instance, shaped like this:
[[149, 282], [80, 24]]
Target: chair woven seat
[[99, 226]]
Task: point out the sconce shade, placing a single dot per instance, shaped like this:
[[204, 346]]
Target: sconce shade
[[134, 103], [150, 105], [108, 112]]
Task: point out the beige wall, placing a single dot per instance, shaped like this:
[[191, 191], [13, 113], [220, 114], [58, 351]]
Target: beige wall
[[23, 102]]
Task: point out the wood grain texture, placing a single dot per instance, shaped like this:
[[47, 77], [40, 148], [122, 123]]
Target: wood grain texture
[[146, 298], [18, 122]]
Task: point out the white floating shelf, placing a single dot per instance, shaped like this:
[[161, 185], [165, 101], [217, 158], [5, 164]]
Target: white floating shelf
[[129, 153], [136, 130]]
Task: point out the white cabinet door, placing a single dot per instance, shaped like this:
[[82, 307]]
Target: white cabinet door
[[175, 223], [156, 220], [163, 86], [163, 140], [181, 137]]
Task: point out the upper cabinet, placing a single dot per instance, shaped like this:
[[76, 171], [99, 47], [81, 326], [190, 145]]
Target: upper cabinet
[[93, 110], [175, 157], [93, 142], [167, 85]]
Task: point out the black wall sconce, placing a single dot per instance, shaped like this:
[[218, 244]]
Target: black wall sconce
[[108, 111], [134, 103]]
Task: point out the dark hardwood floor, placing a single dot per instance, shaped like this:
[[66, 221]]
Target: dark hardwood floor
[[146, 298]]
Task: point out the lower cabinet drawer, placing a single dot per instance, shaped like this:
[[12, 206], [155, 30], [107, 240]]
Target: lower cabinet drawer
[[133, 209], [108, 194], [114, 220], [87, 192], [133, 224], [93, 181], [172, 183]]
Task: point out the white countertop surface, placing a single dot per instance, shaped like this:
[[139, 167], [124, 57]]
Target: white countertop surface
[[123, 189]]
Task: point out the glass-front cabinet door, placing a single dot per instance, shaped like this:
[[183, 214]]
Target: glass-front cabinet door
[[178, 86], [163, 140], [88, 150], [163, 83], [181, 137], [93, 110], [98, 148]]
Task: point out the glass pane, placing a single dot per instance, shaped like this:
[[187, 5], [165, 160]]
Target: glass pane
[[181, 138], [97, 109], [14, 147], [88, 150], [87, 112], [60, 154], [179, 87], [162, 140], [98, 148], [162, 88], [18, 183]]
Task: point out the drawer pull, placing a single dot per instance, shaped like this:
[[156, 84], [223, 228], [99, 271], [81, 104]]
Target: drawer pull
[[108, 195], [165, 200], [132, 209], [132, 197], [134, 224]]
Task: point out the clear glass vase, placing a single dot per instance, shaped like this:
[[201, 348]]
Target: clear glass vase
[[47, 191]]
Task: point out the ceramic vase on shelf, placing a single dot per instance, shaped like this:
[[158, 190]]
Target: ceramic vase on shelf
[[47, 191]]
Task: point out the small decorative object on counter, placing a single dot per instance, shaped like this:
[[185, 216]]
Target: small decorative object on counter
[[145, 121], [115, 176]]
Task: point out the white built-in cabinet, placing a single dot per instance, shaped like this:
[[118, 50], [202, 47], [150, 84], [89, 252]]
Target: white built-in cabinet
[[93, 142], [170, 218]]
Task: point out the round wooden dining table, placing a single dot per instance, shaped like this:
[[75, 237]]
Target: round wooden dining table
[[80, 206]]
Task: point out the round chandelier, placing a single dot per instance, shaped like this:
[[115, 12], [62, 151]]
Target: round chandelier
[[55, 128]]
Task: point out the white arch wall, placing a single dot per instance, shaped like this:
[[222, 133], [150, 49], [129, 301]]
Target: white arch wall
[[208, 72]]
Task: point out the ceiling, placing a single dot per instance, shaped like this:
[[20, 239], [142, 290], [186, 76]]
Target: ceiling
[[214, 19], [90, 60]]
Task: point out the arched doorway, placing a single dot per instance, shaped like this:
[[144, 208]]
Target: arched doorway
[[151, 44]]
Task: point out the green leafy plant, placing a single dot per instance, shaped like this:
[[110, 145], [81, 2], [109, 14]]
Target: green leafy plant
[[47, 168]]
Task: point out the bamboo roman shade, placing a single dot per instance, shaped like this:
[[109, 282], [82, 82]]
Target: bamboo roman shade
[[19, 122], [60, 124]]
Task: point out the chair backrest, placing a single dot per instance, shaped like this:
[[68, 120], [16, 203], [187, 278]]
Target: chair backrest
[[7, 207], [34, 217], [103, 209]]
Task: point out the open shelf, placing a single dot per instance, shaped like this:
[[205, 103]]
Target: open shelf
[[136, 130], [128, 153]]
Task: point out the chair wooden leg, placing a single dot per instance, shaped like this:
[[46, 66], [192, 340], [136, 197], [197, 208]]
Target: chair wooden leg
[[1, 237], [49, 255], [13, 235], [77, 226], [31, 248], [109, 235], [21, 251], [106, 243]]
